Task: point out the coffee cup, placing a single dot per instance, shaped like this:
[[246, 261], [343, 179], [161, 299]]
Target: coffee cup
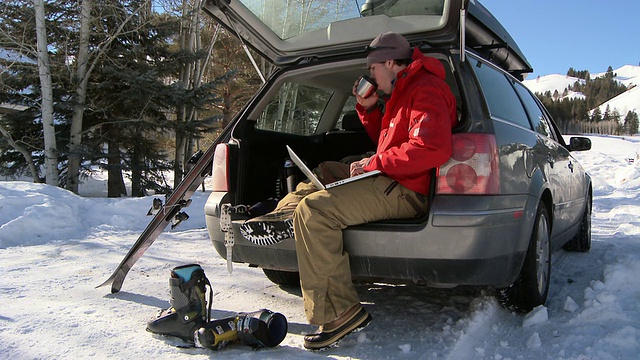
[[366, 86]]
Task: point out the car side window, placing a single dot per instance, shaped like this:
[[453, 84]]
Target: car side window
[[536, 115], [296, 109], [502, 101]]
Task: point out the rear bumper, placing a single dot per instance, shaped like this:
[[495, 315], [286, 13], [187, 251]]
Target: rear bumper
[[483, 244]]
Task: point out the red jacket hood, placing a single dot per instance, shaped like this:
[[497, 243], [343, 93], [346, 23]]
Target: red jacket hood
[[429, 63]]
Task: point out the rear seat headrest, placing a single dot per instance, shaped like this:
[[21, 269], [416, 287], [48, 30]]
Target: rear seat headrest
[[351, 121]]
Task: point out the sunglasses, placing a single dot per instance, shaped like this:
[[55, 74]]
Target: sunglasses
[[372, 48]]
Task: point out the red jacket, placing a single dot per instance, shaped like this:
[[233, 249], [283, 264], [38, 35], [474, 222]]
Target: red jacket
[[414, 133]]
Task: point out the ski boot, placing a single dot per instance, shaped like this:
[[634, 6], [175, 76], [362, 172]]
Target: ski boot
[[188, 311], [262, 328], [216, 334]]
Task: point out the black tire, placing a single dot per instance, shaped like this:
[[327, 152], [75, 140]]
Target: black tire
[[582, 241], [283, 278], [532, 285]]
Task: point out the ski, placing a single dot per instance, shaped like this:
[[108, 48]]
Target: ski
[[169, 213]]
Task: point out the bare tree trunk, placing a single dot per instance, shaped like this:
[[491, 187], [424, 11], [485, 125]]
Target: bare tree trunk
[[181, 111], [136, 173], [83, 72], [81, 78], [22, 150], [115, 182], [50, 147], [189, 76]]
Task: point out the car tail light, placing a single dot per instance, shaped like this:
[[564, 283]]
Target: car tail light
[[220, 170], [473, 167]]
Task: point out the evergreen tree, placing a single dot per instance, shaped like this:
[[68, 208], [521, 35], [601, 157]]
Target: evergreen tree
[[607, 114], [596, 117], [579, 110], [631, 123], [596, 91], [581, 74], [134, 95], [615, 115]]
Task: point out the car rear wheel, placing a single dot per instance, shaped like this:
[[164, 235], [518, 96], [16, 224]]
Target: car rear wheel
[[582, 241], [283, 278], [532, 286]]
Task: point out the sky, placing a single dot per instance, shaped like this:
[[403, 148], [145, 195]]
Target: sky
[[56, 247], [584, 34]]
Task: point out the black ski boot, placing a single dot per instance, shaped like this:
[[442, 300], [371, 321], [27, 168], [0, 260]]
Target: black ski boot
[[262, 328], [188, 311]]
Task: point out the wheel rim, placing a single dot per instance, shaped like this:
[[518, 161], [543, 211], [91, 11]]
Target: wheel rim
[[542, 253]]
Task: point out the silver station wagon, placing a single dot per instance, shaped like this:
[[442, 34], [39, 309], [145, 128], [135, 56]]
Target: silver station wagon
[[510, 195]]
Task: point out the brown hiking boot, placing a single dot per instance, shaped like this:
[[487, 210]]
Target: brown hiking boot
[[353, 320]]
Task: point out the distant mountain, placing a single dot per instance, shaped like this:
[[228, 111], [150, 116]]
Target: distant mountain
[[627, 75]]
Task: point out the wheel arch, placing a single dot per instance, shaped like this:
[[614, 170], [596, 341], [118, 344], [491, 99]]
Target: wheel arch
[[539, 187], [547, 199]]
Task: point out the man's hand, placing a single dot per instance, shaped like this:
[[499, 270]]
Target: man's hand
[[366, 103], [357, 168]]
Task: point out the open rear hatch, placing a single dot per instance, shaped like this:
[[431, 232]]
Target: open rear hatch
[[290, 32], [287, 31]]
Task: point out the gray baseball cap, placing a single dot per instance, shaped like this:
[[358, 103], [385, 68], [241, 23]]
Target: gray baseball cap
[[388, 46]]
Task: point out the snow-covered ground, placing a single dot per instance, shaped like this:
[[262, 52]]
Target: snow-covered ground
[[55, 247]]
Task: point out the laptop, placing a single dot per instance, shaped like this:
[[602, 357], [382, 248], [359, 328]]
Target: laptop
[[314, 179]]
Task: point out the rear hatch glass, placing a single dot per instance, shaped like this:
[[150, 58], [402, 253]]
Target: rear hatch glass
[[286, 31]]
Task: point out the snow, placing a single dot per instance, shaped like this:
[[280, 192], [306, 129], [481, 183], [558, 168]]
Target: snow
[[56, 247], [628, 75], [623, 103], [552, 83]]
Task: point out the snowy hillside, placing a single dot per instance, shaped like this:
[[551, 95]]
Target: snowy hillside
[[628, 75], [625, 102], [55, 247], [552, 83]]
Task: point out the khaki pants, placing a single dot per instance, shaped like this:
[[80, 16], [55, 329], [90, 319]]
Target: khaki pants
[[318, 221]]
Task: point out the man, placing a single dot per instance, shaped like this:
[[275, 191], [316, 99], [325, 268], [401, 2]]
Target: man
[[413, 136]]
